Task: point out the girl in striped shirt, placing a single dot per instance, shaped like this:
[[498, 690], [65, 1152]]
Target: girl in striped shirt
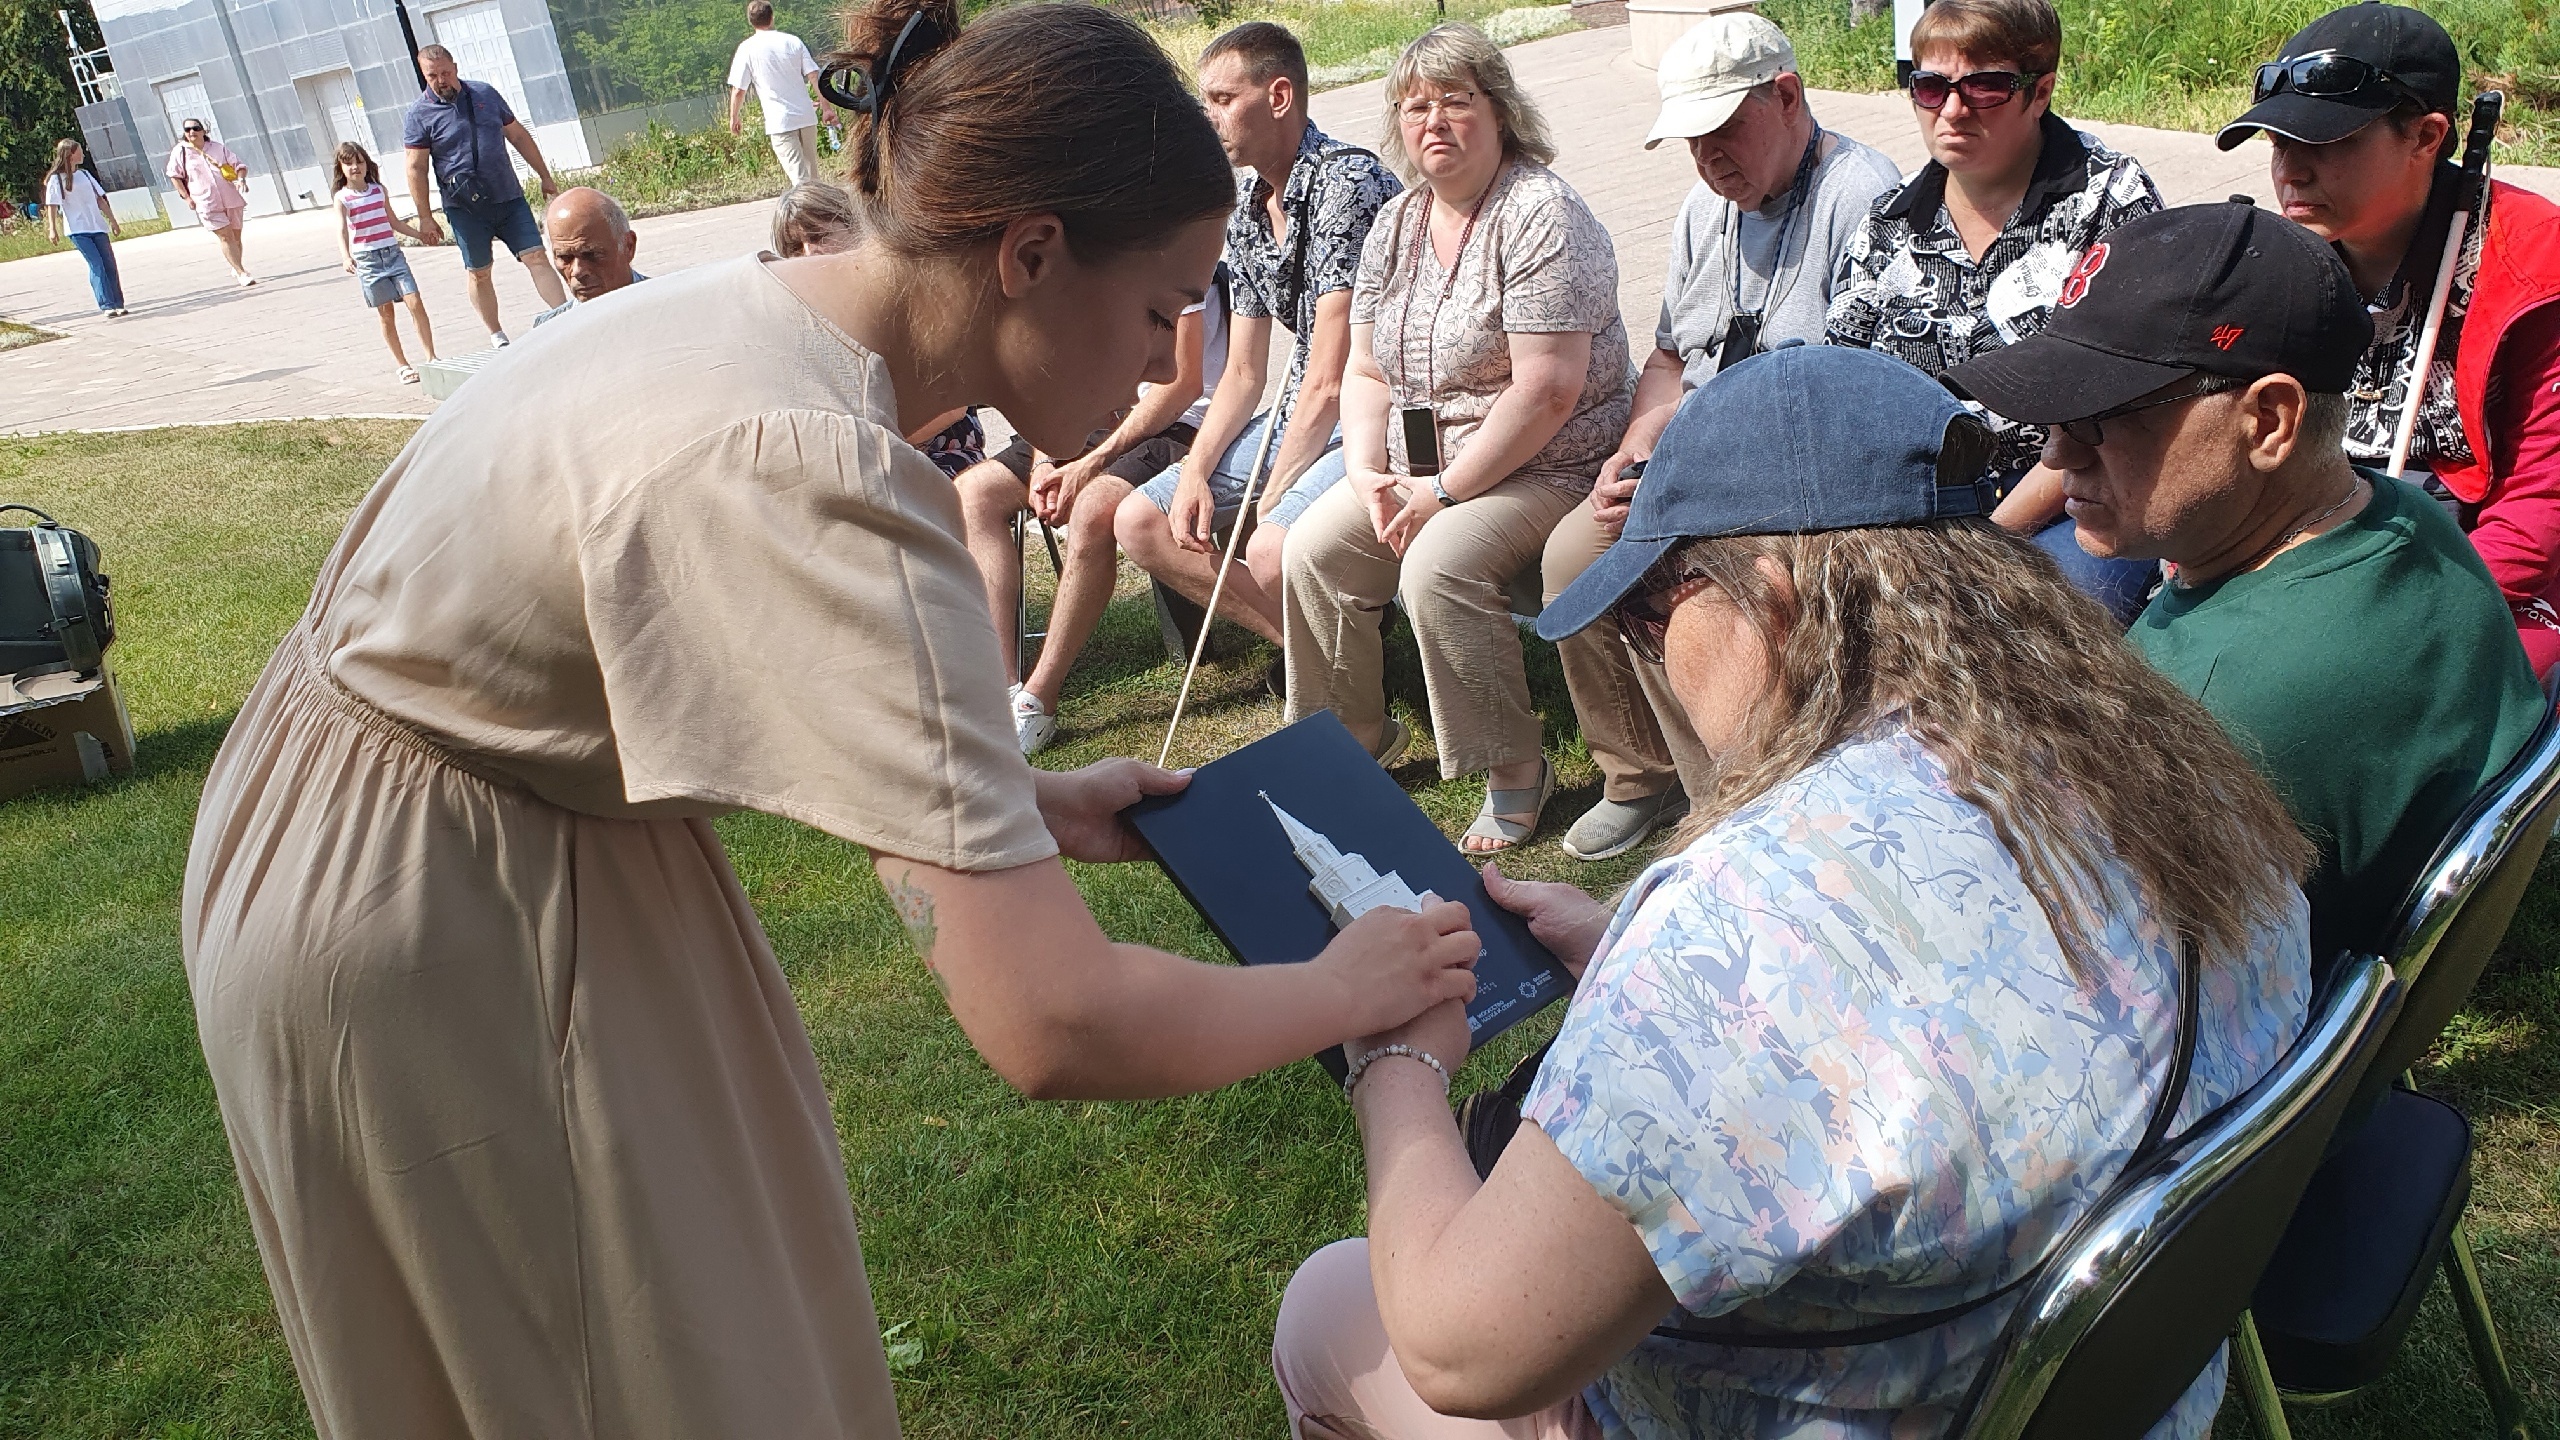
[[369, 238]]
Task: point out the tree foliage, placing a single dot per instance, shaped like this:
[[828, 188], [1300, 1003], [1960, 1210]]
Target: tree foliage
[[37, 99], [662, 50]]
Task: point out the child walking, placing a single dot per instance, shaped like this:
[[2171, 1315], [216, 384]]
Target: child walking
[[369, 237]]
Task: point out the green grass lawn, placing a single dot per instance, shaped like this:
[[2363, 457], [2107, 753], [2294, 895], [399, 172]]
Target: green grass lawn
[[27, 238], [1058, 1270]]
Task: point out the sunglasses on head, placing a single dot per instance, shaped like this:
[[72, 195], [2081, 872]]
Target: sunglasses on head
[[2328, 75], [1982, 90]]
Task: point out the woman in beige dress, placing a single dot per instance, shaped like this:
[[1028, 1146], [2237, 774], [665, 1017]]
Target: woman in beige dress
[[1487, 297], [530, 1131]]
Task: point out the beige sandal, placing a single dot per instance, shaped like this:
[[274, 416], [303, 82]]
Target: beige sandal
[[1531, 801]]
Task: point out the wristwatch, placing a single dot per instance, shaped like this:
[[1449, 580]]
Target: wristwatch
[[1442, 491]]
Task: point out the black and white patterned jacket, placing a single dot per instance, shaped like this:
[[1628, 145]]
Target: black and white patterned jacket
[[1908, 287]]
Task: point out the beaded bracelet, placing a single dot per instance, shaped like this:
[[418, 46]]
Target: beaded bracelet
[[1360, 1067]]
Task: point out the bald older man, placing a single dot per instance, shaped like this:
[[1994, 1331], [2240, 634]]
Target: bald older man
[[592, 243]]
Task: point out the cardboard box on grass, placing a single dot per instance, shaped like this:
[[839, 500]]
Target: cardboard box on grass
[[61, 729]]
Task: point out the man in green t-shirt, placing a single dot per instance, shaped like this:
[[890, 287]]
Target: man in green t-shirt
[[2334, 619]]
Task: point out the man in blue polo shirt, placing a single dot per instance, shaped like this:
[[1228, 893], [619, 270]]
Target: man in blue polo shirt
[[465, 127]]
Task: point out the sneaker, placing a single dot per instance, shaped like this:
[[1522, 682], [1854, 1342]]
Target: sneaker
[[1614, 827], [1033, 726], [248, 280], [498, 340]]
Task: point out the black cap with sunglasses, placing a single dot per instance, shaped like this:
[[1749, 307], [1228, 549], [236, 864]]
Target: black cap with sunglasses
[[2349, 68], [2228, 291]]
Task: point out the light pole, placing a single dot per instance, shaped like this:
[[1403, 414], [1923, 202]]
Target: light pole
[[409, 37], [257, 112]]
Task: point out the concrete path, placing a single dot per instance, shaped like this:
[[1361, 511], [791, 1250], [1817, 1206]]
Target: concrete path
[[197, 348]]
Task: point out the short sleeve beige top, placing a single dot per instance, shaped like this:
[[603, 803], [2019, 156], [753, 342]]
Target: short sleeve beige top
[[1537, 262], [748, 593]]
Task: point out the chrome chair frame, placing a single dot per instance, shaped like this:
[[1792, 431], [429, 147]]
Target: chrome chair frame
[[1023, 634], [2106, 1257], [2508, 822]]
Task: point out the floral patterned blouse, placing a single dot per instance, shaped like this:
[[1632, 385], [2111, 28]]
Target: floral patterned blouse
[[1908, 287], [1538, 262], [1831, 1063]]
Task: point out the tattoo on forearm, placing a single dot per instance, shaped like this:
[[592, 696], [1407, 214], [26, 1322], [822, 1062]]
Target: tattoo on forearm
[[915, 911]]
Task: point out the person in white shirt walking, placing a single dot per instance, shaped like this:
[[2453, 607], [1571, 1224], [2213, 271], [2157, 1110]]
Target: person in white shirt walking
[[779, 68], [76, 209]]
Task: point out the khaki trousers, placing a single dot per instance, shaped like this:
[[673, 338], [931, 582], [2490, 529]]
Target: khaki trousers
[[1453, 579], [1638, 734], [1340, 1378], [798, 152]]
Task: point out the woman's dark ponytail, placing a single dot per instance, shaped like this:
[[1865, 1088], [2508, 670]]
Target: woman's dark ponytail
[[1064, 109]]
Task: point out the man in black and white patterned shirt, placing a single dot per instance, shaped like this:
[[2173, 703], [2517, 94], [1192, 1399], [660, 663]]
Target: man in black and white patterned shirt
[[1292, 251]]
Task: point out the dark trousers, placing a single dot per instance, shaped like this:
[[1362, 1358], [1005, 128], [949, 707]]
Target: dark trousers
[[105, 285]]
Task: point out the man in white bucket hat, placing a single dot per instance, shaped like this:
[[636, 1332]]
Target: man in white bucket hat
[[1753, 254]]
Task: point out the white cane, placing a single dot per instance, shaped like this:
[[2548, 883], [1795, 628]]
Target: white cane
[[1235, 536], [2485, 109]]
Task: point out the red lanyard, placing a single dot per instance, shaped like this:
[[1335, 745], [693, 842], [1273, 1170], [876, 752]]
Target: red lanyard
[[1448, 282]]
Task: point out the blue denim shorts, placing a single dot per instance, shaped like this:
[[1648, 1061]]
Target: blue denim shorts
[[384, 274], [474, 226], [1226, 482]]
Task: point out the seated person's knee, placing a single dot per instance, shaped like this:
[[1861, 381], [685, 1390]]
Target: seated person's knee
[[988, 492], [1144, 531], [1097, 511]]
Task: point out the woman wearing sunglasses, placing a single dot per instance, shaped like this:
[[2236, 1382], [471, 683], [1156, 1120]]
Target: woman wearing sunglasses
[[212, 180], [1974, 251], [2360, 113], [1892, 1017]]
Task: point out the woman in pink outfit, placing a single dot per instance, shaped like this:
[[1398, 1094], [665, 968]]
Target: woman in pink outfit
[[208, 176]]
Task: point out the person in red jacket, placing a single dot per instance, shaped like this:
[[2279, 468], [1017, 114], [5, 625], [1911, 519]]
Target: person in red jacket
[[2359, 109]]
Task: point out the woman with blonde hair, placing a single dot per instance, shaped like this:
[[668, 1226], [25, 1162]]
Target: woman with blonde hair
[[76, 208], [1908, 1000], [1488, 379], [527, 1123]]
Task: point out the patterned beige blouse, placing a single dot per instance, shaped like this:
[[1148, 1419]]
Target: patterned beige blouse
[[1538, 262]]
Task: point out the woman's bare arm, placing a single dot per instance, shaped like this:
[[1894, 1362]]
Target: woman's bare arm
[[1499, 1298], [1063, 1013]]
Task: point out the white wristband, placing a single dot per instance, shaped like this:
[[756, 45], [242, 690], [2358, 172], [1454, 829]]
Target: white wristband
[[1351, 1075]]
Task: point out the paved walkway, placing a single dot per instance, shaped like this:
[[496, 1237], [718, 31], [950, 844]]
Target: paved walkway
[[198, 348]]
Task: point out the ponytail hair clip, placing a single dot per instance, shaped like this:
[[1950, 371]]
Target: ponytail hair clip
[[921, 32]]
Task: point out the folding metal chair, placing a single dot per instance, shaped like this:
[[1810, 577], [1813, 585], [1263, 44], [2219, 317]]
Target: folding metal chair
[[2385, 1209], [1023, 634], [2125, 1315]]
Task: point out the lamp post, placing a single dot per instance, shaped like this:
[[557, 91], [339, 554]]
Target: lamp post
[[257, 112], [409, 37]]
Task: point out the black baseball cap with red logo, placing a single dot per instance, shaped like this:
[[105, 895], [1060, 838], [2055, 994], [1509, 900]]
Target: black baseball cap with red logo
[[2226, 289]]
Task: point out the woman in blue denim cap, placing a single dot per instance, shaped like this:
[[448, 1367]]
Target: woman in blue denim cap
[[1888, 1023]]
